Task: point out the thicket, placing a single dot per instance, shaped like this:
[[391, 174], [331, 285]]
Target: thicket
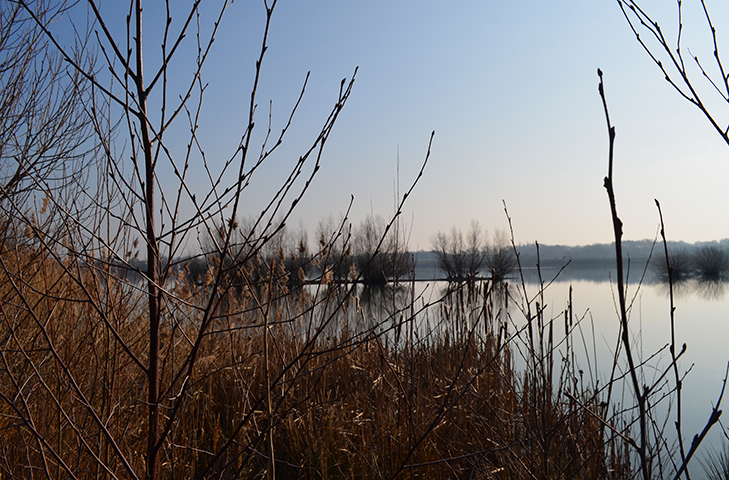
[[465, 259], [707, 263], [123, 356]]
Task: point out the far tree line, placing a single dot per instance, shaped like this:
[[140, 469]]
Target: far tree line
[[369, 253]]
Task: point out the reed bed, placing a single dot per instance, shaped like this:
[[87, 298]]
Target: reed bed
[[326, 384]]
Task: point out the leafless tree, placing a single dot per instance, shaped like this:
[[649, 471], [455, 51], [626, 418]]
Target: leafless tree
[[702, 82], [110, 358], [457, 258], [43, 131], [132, 219], [449, 253], [711, 263], [499, 258], [113, 366], [650, 447], [378, 257]]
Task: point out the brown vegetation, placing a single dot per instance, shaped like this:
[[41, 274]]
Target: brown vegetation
[[337, 393], [123, 357]]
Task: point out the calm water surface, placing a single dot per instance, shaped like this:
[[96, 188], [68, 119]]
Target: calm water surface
[[701, 321]]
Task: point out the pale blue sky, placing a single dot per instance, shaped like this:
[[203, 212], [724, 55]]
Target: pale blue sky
[[510, 89]]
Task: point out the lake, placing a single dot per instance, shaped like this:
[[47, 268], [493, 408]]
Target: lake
[[701, 322]]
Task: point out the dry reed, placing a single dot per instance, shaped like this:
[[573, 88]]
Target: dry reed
[[355, 390]]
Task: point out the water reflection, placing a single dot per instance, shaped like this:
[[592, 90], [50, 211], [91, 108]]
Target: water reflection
[[383, 300], [681, 289], [710, 290], [686, 283], [494, 294]]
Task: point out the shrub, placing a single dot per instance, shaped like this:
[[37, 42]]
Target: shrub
[[682, 263], [711, 263], [499, 258], [459, 259]]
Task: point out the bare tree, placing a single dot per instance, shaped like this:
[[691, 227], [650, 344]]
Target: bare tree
[[449, 253], [711, 263], [457, 258], [42, 126], [475, 244], [499, 258], [113, 366], [132, 211], [651, 446], [378, 257], [703, 83]]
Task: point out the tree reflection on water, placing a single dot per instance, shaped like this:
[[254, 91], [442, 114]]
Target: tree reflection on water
[[709, 290]]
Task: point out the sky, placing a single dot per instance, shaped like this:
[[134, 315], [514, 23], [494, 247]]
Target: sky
[[510, 88]]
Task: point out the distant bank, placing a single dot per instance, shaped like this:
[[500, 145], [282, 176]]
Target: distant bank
[[587, 262]]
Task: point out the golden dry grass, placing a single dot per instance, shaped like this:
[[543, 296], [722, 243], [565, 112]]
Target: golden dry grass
[[347, 400]]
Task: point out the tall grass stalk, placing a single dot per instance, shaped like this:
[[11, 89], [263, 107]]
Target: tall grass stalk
[[306, 384]]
